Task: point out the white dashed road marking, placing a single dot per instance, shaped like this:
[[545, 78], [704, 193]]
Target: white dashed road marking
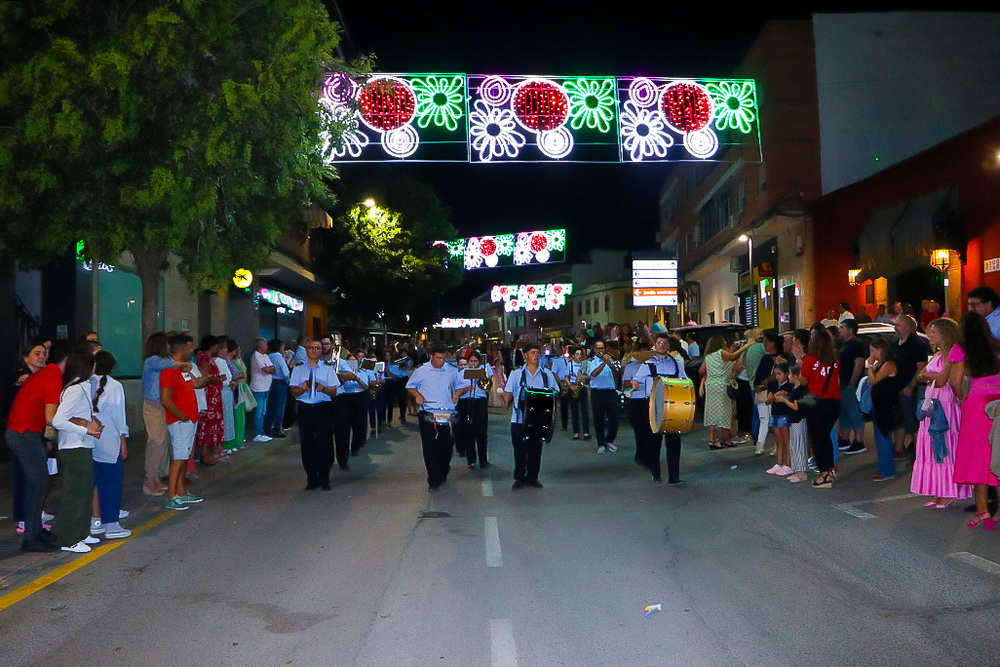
[[976, 561], [502, 650], [487, 488], [492, 534]]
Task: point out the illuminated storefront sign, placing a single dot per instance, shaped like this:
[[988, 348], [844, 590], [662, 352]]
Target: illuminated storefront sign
[[531, 297], [242, 278], [281, 299]]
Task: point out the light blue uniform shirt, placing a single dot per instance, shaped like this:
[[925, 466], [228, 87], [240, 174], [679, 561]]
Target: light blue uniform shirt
[[536, 381], [605, 379], [572, 369], [664, 366], [434, 384], [629, 372], [300, 355], [281, 371], [461, 383], [559, 366], [353, 386], [310, 374]]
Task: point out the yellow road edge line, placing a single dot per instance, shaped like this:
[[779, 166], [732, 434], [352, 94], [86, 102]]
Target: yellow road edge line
[[45, 580]]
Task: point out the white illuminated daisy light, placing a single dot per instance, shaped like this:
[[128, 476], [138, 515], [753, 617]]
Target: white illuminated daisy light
[[350, 140], [643, 133], [494, 132]]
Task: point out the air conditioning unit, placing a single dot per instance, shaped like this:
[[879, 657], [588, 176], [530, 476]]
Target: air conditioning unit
[[737, 264]]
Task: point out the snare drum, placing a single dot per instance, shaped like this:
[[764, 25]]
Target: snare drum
[[539, 413], [441, 416], [671, 405]]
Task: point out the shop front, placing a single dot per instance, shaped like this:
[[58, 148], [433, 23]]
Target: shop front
[[281, 315]]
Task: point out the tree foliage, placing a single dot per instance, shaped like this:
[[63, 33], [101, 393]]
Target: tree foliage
[[380, 261], [188, 126]]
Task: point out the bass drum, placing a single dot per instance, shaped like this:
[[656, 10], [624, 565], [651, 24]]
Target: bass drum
[[671, 405], [539, 413]]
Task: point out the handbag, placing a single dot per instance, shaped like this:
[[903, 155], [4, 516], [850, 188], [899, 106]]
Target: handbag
[[733, 389], [808, 403]]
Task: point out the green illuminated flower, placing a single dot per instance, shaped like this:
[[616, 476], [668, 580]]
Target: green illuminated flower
[[734, 105], [591, 103], [439, 101], [505, 244], [557, 239], [456, 248]]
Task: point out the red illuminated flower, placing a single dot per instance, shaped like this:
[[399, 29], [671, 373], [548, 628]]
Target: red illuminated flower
[[686, 106], [386, 104], [539, 242], [487, 247], [541, 106]]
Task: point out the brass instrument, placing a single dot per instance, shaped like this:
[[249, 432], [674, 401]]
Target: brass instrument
[[485, 383], [563, 388], [575, 389]]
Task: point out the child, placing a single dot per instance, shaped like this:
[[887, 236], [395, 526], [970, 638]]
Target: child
[[110, 449], [780, 418], [797, 424]]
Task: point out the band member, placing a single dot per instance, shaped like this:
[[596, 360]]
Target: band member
[[431, 387], [604, 380], [393, 389], [527, 451], [473, 414], [637, 406], [376, 393], [558, 366], [576, 369], [348, 410], [649, 442], [314, 384]]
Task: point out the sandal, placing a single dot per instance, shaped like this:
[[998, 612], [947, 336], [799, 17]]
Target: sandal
[[729, 444], [978, 519], [714, 445], [824, 481]]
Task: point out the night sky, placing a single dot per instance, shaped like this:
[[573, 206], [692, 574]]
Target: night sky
[[600, 205]]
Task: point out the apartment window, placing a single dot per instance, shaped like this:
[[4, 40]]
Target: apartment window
[[711, 317], [597, 305], [730, 314], [607, 303], [579, 308], [741, 197], [588, 306]]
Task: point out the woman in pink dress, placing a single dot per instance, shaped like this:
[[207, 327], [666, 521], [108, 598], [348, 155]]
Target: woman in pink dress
[[977, 358], [930, 478]]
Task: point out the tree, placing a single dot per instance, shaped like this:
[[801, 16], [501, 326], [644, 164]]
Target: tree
[[188, 127], [380, 261]]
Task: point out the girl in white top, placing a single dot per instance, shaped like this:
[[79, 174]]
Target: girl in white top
[[110, 449], [78, 428]]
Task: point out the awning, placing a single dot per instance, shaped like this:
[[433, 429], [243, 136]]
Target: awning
[[902, 236]]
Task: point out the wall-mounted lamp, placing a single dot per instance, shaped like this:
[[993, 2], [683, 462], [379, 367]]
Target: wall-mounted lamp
[[941, 259], [852, 277]]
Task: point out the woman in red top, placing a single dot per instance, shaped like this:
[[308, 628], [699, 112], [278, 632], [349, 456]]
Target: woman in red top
[[820, 370], [211, 426]]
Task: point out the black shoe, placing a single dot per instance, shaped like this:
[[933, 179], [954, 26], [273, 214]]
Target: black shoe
[[484, 466], [576, 436], [326, 487], [279, 435], [472, 466], [311, 486], [353, 453], [38, 546], [657, 480], [843, 444], [586, 436], [535, 483], [432, 489], [676, 482], [856, 448], [46, 537], [345, 467], [519, 484]]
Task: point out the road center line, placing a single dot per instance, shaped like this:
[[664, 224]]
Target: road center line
[[487, 488], [503, 653], [976, 561], [492, 534]]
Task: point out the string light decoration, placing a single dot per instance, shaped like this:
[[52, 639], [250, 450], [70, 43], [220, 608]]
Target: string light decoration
[[499, 118], [460, 323], [538, 247], [551, 296]]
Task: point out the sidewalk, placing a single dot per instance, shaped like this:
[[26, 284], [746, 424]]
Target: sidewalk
[[17, 567]]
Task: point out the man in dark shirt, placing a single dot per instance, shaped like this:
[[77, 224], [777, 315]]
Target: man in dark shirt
[[851, 426], [910, 356]]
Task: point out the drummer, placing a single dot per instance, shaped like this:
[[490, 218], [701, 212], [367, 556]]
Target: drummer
[[431, 387], [527, 451], [648, 443]]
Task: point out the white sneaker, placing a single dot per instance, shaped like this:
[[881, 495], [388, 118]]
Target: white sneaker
[[602, 450], [123, 514], [612, 447], [261, 438], [785, 471], [96, 527], [78, 548], [47, 517], [759, 449], [90, 539], [773, 470], [114, 531]]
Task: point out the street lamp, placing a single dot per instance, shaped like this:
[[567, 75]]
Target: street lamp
[[369, 203]]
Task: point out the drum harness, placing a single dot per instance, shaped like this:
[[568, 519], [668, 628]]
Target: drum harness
[[520, 390], [651, 365]]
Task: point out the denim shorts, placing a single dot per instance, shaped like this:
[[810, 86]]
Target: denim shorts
[[850, 410], [779, 421]]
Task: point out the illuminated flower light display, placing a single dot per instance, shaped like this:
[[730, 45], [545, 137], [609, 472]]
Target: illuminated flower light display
[[460, 323], [539, 247], [653, 108], [550, 114], [392, 110], [531, 297]]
